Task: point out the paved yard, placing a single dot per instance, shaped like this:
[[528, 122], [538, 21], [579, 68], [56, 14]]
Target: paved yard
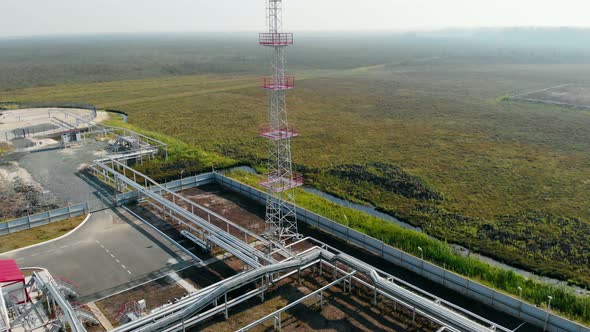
[[111, 252]]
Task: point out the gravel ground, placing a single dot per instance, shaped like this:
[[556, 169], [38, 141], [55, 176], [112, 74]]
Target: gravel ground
[[57, 171]]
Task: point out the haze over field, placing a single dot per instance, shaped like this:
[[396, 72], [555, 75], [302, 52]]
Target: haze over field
[[111, 16], [411, 112]]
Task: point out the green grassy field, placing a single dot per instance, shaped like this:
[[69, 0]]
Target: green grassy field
[[420, 127], [431, 143]]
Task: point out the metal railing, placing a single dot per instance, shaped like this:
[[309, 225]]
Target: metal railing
[[275, 39], [123, 176], [4, 321], [59, 125]]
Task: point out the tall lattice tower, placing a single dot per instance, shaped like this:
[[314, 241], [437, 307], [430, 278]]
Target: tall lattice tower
[[281, 220]]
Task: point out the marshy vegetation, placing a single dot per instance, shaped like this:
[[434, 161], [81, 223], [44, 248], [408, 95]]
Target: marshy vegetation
[[440, 253], [418, 127]]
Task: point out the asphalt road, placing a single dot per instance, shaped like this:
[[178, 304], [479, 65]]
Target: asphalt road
[[111, 252]]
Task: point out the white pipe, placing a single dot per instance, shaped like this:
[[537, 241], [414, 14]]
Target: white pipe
[[449, 317], [67, 309], [221, 288]]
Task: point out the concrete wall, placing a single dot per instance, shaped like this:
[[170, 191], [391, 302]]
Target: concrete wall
[[469, 288]]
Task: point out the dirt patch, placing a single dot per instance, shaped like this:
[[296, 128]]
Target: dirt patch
[[227, 204], [155, 294], [165, 290], [6, 148], [231, 206], [31, 144], [10, 171], [238, 209]]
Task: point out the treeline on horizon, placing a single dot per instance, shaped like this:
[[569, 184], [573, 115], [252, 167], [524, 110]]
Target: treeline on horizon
[[50, 60]]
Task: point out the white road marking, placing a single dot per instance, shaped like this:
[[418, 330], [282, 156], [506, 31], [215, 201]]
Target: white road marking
[[97, 241], [33, 255], [115, 258], [19, 259], [50, 250], [63, 246]]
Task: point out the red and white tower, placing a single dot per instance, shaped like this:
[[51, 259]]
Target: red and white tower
[[281, 219]]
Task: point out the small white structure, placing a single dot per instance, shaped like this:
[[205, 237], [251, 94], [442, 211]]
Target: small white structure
[[70, 137]]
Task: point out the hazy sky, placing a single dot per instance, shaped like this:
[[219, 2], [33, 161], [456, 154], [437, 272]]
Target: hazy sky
[[34, 17]]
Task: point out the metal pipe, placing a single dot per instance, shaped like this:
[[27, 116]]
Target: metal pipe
[[446, 315], [67, 309], [221, 288], [191, 203]]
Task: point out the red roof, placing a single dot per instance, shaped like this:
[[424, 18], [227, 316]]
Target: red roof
[[9, 271]]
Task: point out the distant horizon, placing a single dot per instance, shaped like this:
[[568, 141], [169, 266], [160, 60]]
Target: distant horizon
[[66, 17], [325, 31]]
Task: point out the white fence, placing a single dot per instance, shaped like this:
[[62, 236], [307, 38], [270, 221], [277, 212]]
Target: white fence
[[44, 218], [105, 202], [449, 279]]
